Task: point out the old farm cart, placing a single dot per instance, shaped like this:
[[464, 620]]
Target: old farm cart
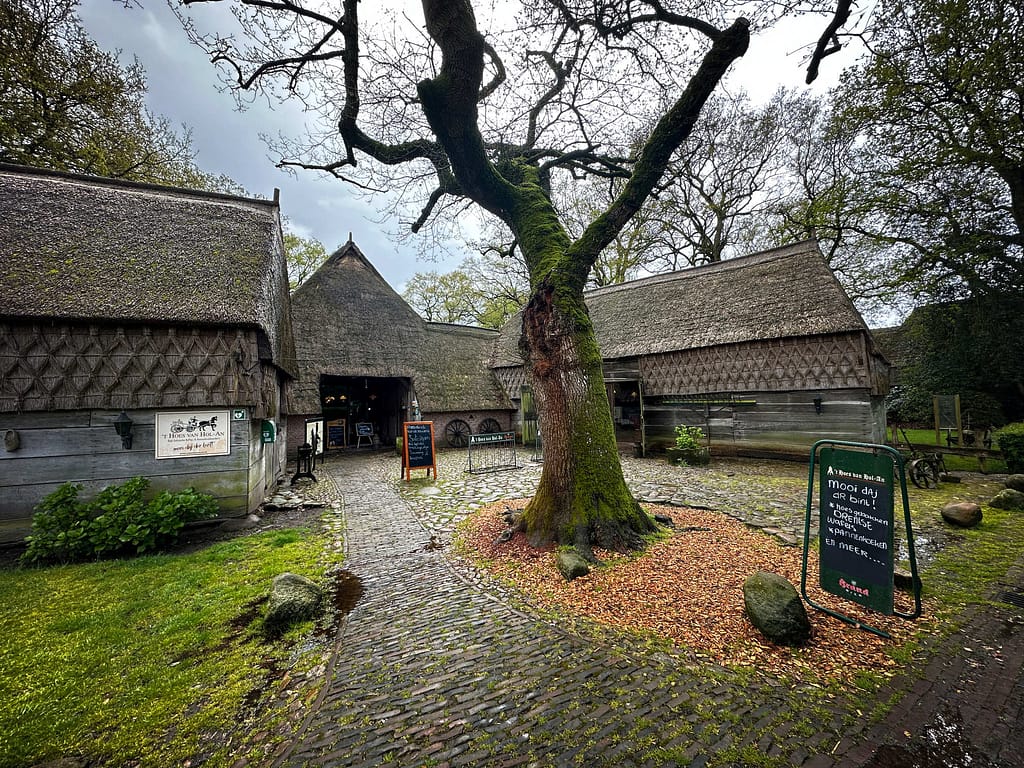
[[492, 452]]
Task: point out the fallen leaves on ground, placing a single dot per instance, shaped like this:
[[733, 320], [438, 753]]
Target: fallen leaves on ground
[[688, 588]]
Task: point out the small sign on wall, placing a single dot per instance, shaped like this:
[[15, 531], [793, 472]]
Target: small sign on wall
[[185, 434], [315, 434]]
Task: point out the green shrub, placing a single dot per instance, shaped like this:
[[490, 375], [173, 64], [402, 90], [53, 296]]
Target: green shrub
[[1011, 443], [118, 520], [689, 438]]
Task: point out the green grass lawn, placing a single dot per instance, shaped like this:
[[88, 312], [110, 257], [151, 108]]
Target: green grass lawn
[[145, 661], [953, 463]]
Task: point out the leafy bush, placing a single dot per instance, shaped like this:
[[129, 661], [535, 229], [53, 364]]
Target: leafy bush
[[689, 438], [1011, 442], [66, 529]]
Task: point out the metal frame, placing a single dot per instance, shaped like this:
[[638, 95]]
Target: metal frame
[[499, 446]]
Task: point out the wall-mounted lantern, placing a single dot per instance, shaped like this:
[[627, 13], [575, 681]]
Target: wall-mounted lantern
[[123, 426], [817, 404]]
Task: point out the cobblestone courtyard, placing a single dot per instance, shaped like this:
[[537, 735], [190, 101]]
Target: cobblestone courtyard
[[435, 665]]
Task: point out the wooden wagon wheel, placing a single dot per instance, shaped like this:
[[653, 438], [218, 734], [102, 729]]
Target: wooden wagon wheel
[[457, 433], [924, 473], [489, 427]]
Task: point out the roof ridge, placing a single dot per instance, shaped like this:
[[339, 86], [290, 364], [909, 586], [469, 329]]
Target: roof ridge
[[24, 171], [738, 262]]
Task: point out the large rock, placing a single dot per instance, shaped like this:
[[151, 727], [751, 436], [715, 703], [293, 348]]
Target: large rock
[[293, 598], [775, 608], [1008, 499], [1015, 483], [571, 564], [965, 514]]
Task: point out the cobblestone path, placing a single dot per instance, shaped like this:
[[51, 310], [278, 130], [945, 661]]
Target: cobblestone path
[[434, 667]]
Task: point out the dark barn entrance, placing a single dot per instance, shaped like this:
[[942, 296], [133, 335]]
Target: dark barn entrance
[[348, 401]]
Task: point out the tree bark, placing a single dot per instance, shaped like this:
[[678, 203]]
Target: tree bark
[[582, 499]]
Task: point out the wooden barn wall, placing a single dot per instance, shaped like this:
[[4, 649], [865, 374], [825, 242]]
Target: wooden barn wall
[[82, 447], [58, 366], [783, 422], [774, 365], [512, 379]]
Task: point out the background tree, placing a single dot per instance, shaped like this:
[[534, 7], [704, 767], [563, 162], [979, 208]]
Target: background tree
[[303, 256], [949, 348], [448, 297], [728, 170], [464, 114], [937, 114], [66, 104], [485, 290]]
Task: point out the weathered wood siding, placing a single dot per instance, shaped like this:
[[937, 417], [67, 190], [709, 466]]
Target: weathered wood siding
[[82, 447], [768, 422]]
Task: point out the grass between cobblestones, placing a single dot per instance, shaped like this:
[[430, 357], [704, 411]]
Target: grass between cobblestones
[[686, 590], [150, 661]]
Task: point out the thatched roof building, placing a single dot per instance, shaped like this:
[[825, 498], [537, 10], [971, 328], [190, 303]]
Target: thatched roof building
[[167, 305], [782, 293], [85, 251], [758, 328], [364, 354]]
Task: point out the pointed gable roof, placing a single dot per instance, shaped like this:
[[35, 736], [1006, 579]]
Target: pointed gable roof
[[350, 322]]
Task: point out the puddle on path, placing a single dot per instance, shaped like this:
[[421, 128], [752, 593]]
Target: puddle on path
[[346, 592], [942, 744]]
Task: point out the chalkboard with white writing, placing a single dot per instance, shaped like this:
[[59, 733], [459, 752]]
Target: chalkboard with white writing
[[856, 527], [418, 447]]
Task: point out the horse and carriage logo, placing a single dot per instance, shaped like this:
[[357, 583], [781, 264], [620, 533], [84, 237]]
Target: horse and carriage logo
[[199, 433], [194, 425]]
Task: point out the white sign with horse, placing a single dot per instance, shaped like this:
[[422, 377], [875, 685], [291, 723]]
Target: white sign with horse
[[181, 435]]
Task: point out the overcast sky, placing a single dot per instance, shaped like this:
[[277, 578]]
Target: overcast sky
[[183, 87]]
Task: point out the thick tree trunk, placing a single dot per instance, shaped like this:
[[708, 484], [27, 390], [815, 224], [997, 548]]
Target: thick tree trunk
[[582, 499]]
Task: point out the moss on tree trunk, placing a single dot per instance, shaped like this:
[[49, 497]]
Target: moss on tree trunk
[[582, 499]]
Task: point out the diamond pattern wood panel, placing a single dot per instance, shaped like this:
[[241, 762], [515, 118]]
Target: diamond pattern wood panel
[[55, 366], [824, 362]]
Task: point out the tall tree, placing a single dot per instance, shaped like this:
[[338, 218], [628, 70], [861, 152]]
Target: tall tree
[[462, 113], [448, 297], [938, 110], [727, 172], [66, 104]]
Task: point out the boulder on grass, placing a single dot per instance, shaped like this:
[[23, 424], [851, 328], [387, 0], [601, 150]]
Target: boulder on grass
[[775, 608], [965, 514], [1008, 499], [1015, 483], [293, 598], [571, 564]]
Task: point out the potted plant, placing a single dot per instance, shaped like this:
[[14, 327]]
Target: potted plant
[[689, 447]]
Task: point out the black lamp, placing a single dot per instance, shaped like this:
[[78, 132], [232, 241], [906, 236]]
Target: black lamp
[[817, 404], [123, 427]]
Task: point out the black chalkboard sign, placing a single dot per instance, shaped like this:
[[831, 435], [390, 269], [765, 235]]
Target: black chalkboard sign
[[364, 429], [856, 527], [418, 447]]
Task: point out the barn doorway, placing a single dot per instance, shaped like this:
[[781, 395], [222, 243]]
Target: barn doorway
[[626, 400], [350, 401]]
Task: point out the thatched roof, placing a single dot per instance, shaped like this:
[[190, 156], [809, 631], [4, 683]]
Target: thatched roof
[[83, 248], [453, 374], [350, 322], [775, 294]]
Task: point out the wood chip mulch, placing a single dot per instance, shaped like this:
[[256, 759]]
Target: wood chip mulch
[[687, 588]]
